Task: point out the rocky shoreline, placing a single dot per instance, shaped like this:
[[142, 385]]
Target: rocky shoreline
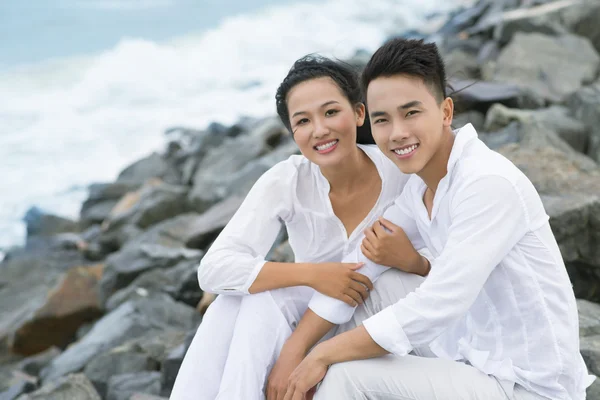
[[105, 307]]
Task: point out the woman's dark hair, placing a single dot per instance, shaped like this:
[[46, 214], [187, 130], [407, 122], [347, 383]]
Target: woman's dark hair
[[315, 66]]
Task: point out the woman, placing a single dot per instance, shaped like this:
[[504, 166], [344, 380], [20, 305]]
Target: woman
[[326, 198]]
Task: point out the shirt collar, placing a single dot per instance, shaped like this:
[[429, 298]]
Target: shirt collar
[[462, 137]]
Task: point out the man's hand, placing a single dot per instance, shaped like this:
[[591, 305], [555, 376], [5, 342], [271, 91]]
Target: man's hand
[[387, 244]]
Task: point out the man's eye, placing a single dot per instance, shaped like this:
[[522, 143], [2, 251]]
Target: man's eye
[[412, 112]]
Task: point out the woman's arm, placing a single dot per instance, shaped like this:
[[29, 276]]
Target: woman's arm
[[235, 264]]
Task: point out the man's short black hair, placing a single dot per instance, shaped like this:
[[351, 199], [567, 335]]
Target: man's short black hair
[[408, 57]]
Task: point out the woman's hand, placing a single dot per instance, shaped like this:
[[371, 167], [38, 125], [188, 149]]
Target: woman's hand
[[289, 358], [387, 244], [341, 281], [306, 376]]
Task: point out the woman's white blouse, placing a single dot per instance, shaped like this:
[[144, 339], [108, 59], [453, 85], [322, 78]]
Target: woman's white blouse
[[295, 193]]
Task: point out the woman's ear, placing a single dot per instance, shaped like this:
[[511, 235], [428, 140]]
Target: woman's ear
[[360, 111]]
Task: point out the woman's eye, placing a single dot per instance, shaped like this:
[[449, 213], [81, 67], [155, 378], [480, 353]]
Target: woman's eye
[[302, 121], [331, 112]]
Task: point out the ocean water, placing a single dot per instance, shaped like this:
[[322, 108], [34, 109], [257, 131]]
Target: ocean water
[[89, 86]]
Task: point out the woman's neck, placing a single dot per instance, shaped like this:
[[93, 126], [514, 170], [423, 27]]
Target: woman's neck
[[345, 177]]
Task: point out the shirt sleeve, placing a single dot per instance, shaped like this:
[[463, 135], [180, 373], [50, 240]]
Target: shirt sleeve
[[238, 254], [338, 312], [488, 219]]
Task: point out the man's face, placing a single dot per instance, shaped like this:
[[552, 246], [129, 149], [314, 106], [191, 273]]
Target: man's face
[[407, 121]]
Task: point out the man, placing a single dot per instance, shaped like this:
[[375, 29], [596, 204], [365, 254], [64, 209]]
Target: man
[[497, 310]]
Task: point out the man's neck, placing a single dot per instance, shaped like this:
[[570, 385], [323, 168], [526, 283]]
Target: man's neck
[[437, 167]]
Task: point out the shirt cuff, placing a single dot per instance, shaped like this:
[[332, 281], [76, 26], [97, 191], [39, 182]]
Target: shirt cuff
[[387, 332], [330, 309], [252, 277]]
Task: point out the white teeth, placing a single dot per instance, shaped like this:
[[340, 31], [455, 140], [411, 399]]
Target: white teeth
[[326, 146], [406, 150]]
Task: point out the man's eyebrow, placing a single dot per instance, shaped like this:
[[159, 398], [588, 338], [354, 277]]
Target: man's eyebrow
[[410, 104]]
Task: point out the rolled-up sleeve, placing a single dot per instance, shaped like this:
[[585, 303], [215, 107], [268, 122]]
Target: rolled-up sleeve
[[338, 312], [238, 254], [488, 219]]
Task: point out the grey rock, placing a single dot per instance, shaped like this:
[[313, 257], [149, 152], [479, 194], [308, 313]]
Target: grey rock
[[40, 223], [152, 166], [145, 396], [155, 314], [480, 95], [462, 65], [17, 389], [585, 106], [207, 226], [170, 367], [469, 117], [556, 118], [101, 368], [589, 318], [102, 199], [133, 260], [226, 166], [582, 19], [122, 387], [590, 350], [34, 364], [71, 387], [507, 135], [593, 392], [155, 204], [180, 282], [551, 67]]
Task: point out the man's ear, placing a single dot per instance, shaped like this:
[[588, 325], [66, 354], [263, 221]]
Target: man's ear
[[448, 111]]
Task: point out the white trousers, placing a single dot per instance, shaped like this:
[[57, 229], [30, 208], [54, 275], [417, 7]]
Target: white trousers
[[240, 339]]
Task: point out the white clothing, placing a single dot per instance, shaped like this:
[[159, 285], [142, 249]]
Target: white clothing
[[498, 295], [295, 193]]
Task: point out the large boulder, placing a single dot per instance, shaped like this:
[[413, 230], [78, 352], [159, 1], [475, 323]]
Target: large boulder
[[40, 223], [551, 67], [123, 387], [72, 387], [180, 282], [152, 166], [102, 199], [569, 184], [585, 106], [556, 118], [133, 260], [72, 302], [219, 173], [156, 314]]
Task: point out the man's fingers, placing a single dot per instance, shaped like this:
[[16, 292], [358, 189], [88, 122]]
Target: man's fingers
[[390, 226], [370, 234], [356, 266], [379, 230], [368, 245], [360, 278]]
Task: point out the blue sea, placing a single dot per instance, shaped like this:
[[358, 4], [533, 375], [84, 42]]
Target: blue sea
[[89, 86]]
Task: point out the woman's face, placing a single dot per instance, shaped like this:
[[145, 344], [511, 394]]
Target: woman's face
[[323, 121]]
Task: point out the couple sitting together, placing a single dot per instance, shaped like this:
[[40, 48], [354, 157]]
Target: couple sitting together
[[425, 266]]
